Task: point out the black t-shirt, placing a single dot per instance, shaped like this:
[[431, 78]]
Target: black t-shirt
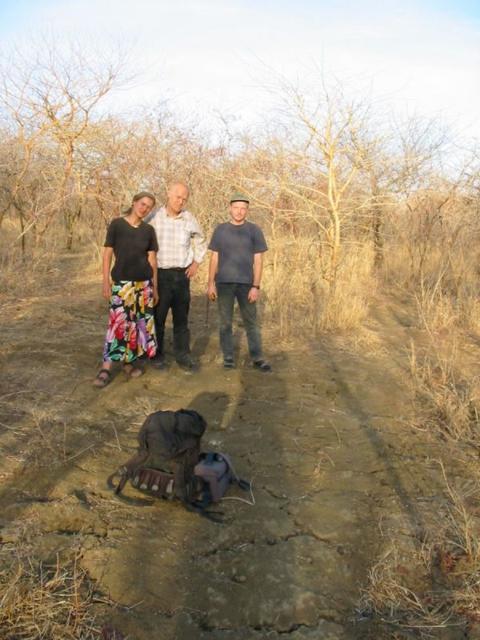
[[130, 246]]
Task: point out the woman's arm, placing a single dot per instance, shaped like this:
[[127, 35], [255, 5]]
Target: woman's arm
[[152, 259], [106, 266]]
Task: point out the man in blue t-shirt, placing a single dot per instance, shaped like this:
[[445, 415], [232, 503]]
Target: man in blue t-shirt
[[235, 272]]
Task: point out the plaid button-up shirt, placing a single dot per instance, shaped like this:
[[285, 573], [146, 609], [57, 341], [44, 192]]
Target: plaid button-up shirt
[[180, 239]]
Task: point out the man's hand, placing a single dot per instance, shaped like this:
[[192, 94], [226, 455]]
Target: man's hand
[[212, 292], [191, 270], [253, 294], [155, 297]]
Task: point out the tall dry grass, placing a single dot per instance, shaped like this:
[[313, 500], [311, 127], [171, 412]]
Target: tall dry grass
[[435, 586], [445, 380], [447, 398], [346, 306], [435, 257], [17, 270]]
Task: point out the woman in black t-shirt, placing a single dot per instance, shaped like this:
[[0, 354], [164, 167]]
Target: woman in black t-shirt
[[131, 287]]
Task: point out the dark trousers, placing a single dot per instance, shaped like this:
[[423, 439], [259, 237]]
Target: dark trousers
[[174, 294], [226, 294]]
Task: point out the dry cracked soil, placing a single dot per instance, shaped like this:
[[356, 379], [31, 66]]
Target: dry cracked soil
[[324, 437]]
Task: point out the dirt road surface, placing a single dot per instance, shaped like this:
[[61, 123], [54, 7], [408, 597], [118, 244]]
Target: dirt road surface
[[325, 438]]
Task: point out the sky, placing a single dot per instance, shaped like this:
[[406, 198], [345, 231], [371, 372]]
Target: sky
[[208, 56]]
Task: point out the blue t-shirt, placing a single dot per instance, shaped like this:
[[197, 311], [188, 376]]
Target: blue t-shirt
[[236, 245]]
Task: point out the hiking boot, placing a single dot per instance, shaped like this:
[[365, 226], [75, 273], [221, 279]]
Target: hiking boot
[[262, 365], [228, 363], [187, 364]]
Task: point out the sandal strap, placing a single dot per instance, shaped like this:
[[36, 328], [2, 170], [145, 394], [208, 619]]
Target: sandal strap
[[131, 371], [107, 371]]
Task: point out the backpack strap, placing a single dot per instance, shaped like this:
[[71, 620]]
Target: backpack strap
[[201, 510], [128, 470], [243, 484], [210, 457]]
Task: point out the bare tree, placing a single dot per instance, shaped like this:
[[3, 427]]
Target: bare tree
[[53, 96]]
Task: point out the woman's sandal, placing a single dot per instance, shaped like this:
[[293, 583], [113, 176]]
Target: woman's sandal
[[131, 371], [102, 378]]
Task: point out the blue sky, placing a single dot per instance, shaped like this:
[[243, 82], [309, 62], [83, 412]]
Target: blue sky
[[204, 55]]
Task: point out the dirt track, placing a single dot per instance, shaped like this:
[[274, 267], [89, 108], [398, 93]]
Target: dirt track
[[324, 437]]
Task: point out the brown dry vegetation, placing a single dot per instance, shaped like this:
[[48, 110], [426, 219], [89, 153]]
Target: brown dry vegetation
[[359, 218], [44, 602]]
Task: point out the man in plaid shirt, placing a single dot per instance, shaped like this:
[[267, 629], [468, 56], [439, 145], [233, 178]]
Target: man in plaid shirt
[[181, 248]]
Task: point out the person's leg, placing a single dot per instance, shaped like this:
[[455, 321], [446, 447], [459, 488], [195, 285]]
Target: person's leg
[[180, 307], [114, 340], [131, 295], [140, 332], [131, 334], [248, 311], [225, 301], [115, 344], [161, 310], [145, 321], [104, 376]]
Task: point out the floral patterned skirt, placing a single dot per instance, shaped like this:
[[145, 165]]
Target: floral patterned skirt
[[131, 325]]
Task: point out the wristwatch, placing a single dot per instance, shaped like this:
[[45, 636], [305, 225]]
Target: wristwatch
[[255, 286]]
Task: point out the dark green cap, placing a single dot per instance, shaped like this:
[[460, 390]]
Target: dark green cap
[[239, 197]]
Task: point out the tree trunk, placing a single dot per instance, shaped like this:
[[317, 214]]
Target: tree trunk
[[23, 242], [71, 221], [378, 237], [377, 224]]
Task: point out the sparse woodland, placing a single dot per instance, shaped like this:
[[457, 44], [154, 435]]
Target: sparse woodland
[[357, 208]]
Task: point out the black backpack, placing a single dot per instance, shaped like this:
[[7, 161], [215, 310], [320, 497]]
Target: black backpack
[[169, 449]]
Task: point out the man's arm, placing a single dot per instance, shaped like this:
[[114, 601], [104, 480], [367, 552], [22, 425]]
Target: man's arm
[[199, 247], [212, 272], [254, 292]]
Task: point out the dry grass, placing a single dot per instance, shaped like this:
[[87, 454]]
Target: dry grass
[[346, 306], [441, 309], [300, 302], [429, 588], [398, 592], [45, 602], [447, 401], [436, 310], [446, 289], [437, 585], [470, 313], [17, 268]]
